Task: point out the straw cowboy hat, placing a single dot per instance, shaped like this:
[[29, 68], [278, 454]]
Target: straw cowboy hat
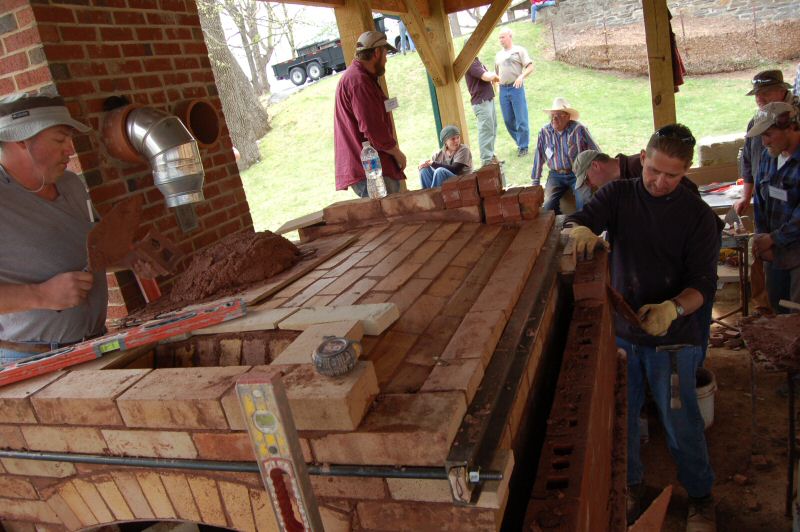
[[560, 104]]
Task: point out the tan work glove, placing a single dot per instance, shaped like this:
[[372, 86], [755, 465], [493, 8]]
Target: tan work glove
[[586, 242], [656, 319]]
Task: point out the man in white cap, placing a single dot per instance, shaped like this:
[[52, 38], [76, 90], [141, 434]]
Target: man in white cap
[[777, 200], [47, 300], [559, 143], [362, 114]]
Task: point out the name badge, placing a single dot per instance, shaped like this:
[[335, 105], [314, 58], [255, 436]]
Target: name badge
[[390, 104], [548, 153], [778, 193]]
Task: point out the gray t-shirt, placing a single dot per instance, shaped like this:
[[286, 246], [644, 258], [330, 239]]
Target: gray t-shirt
[[462, 155], [510, 63], [38, 240]]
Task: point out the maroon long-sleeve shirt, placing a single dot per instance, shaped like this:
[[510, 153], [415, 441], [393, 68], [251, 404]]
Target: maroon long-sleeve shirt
[[359, 116]]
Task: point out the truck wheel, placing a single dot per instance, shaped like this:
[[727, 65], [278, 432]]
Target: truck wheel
[[314, 70], [297, 75]]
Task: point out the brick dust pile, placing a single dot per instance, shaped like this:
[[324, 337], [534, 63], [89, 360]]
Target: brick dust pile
[[236, 261]]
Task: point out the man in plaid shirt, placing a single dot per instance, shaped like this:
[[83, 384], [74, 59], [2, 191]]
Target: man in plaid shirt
[[777, 200]]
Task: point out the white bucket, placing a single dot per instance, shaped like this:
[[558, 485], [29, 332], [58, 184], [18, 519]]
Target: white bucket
[[706, 388]]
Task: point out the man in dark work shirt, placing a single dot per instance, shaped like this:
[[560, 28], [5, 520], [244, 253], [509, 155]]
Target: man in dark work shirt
[[664, 248]]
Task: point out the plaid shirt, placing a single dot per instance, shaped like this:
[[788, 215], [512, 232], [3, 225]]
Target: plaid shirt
[[564, 147], [781, 219]]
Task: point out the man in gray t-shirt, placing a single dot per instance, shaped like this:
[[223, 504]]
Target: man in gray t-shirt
[[47, 299]]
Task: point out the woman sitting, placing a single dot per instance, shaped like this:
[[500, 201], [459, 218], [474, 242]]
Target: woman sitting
[[453, 159]]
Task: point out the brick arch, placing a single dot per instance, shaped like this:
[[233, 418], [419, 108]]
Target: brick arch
[[110, 496]]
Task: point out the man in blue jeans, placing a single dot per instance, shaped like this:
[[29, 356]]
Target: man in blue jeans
[[664, 249], [513, 65]]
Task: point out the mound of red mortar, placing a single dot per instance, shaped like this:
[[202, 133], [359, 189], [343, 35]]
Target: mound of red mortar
[[237, 260]]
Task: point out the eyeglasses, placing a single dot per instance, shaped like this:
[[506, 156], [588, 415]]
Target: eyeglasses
[[765, 81], [672, 131]]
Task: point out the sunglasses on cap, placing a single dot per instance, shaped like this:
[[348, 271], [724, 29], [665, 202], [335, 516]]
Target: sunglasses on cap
[[780, 121], [674, 132]]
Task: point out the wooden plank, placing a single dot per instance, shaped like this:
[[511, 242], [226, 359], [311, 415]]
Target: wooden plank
[[419, 33], [453, 6], [478, 38], [659, 57], [303, 221]]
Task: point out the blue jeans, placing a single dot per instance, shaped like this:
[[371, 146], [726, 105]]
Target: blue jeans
[[434, 178], [360, 188], [557, 184], [537, 7], [514, 107], [683, 427]]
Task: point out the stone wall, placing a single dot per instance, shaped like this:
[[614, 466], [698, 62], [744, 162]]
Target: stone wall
[[578, 13]]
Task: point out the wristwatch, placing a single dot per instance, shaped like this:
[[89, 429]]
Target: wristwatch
[[678, 307]]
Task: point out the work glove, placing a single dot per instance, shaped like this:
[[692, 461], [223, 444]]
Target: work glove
[[585, 242], [656, 319]]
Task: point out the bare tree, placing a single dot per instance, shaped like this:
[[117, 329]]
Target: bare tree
[[261, 26], [455, 27], [246, 118]]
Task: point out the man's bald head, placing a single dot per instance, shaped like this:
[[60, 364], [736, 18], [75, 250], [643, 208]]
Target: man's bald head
[[506, 38]]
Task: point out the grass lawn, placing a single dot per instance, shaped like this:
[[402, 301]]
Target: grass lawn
[[296, 174]]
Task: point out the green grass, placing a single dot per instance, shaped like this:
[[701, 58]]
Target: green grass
[[296, 174]]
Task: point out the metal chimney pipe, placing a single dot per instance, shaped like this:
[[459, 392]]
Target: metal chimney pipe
[[172, 152]]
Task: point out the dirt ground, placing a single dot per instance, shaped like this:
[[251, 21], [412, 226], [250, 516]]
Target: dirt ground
[[750, 473]]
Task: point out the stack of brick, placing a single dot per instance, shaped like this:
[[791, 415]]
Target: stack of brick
[[474, 197], [574, 479]]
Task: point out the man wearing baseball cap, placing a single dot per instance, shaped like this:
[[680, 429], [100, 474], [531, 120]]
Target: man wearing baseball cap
[[593, 169], [362, 114], [777, 200], [47, 300], [767, 87]]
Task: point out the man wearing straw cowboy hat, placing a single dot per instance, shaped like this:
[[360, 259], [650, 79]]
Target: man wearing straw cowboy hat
[[560, 142], [46, 299]]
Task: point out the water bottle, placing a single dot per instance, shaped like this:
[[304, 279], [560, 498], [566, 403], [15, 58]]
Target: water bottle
[[376, 186]]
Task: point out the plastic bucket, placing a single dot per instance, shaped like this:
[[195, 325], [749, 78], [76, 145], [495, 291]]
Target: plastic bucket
[[706, 388]]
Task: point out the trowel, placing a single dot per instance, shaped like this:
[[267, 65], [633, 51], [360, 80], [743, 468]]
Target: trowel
[[111, 239]]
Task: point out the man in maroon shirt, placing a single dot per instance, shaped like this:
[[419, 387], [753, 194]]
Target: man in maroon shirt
[[362, 114]]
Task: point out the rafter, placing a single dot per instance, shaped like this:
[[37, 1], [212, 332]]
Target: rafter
[[416, 28], [478, 38]]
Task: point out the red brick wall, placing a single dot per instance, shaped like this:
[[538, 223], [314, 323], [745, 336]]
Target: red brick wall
[[153, 53]]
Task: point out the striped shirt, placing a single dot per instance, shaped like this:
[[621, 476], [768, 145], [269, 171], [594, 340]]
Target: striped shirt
[[777, 207], [558, 150]]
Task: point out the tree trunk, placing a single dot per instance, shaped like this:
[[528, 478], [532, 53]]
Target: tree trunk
[[246, 119], [289, 30], [455, 27]]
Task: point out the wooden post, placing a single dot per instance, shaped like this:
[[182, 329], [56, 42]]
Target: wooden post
[[659, 56], [433, 34]]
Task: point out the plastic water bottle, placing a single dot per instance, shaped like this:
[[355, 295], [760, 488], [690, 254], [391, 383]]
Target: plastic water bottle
[[376, 186]]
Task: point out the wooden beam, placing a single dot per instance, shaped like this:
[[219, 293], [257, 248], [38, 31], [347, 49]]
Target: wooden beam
[[452, 6], [659, 57], [478, 38], [317, 3], [422, 40], [438, 57]]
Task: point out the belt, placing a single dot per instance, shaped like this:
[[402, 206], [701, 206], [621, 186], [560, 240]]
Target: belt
[[25, 347], [565, 171]]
